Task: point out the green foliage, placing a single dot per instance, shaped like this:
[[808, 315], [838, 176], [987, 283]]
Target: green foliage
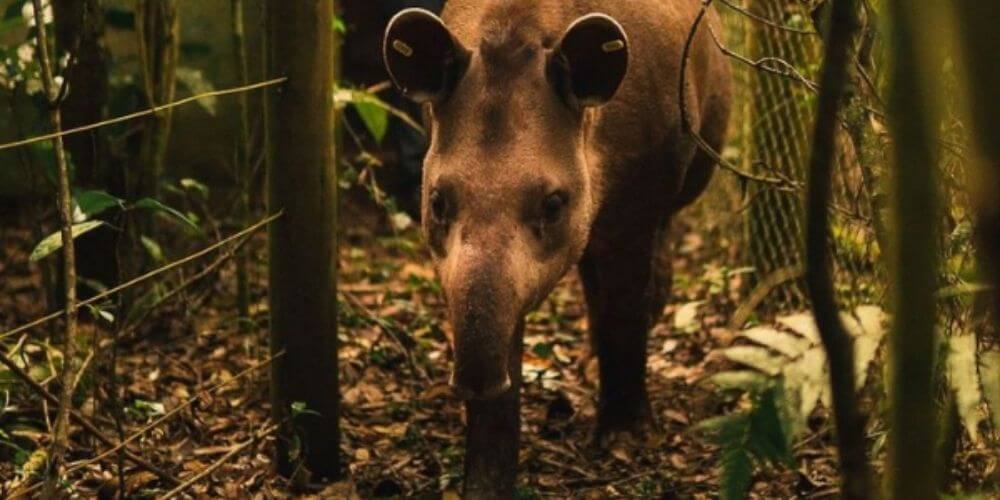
[[786, 378], [54, 241], [156, 206], [749, 438], [92, 203]]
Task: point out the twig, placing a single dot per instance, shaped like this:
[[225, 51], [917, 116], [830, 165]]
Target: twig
[[83, 421], [779, 183], [148, 276], [60, 435], [783, 68], [774, 24], [139, 114], [850, 422], [152, 425], [202, 474]]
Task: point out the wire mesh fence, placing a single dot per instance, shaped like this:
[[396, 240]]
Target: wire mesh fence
[[776, 56]]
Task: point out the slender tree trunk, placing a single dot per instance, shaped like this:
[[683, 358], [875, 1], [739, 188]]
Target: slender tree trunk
[[158, 28], [303, 250], [981, 46], [850, 424], [242, 168], [60, 436], [912, 469], [80, 32]]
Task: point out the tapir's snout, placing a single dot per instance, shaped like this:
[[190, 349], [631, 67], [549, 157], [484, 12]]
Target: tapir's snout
[[483, 315]]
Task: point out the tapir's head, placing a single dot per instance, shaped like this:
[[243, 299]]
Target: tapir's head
[[508, 197]]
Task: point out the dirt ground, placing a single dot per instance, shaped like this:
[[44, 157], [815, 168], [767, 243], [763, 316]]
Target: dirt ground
[[402, 430]]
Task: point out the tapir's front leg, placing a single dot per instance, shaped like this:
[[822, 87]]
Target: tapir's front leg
[[492, 437]]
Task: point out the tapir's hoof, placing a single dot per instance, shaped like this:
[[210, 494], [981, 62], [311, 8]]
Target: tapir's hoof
[[634, 432]]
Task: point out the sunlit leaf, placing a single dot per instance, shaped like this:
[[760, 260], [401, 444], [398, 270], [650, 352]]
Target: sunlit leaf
[[990, 371], [54, 241], [964, 380], [757, 358], [785, 343], [151, 204], [198, 84]]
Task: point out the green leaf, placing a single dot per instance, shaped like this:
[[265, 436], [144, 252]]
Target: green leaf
[[375, 118], [339, 26], [195, 185], [54, 241], [744, 380], [151, 204], [92, 203], [152, 248], [737, 473], [766, 438]]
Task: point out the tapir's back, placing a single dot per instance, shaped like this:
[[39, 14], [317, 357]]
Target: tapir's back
[[643, 121]]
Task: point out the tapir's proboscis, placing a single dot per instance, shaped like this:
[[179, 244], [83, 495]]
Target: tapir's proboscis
[[556, 141]]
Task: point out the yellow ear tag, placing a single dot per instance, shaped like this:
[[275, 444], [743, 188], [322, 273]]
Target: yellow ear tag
[[402, 48], [613, 46]]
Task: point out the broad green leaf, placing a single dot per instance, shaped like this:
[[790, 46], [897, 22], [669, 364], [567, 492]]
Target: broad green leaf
[[964, 380], [360, 99], [766, 439], [151, 204], [54, 241], [736, 475], [990, 370], [375, 118], [757, 358], [92, 203], [782, 342]]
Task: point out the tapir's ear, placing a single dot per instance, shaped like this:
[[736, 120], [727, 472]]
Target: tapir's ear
[[590, 62], [423, 58]]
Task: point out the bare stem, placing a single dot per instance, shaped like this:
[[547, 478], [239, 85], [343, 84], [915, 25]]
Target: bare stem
[[61, 432], [850, 423]]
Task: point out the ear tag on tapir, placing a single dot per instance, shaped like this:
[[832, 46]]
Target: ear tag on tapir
[[613, 46], [401, 47]]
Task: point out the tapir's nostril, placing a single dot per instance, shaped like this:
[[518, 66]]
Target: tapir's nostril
[[477, 389]]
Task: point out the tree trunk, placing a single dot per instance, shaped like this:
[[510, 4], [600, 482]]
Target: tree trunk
[[980, 44], [80, 31], [912, 465], [302, 243], [850, 423]]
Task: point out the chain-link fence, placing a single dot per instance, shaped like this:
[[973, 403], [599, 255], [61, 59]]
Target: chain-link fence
[[776, 55]]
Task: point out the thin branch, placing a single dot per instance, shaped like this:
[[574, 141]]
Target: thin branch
[[202, 474], [139, 114], [60, 434], [148, 276], [779, 182], [166, 416], [83, 421], [769, 22], [850, 422], [781, 67]]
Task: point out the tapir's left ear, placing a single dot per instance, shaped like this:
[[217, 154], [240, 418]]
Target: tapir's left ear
[[590, 62], [424, 59]]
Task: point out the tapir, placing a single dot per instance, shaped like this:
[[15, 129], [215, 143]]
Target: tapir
[[557, 141]]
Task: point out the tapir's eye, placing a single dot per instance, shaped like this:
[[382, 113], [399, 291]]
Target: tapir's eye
[[439, 207], [553, 207]]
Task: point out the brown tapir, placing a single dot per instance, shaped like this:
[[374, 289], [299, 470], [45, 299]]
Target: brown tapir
[[555, 141]]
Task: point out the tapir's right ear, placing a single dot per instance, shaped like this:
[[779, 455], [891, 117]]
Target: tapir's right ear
[[424, 59]]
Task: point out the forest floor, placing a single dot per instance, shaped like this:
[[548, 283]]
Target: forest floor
[[402, 430]]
